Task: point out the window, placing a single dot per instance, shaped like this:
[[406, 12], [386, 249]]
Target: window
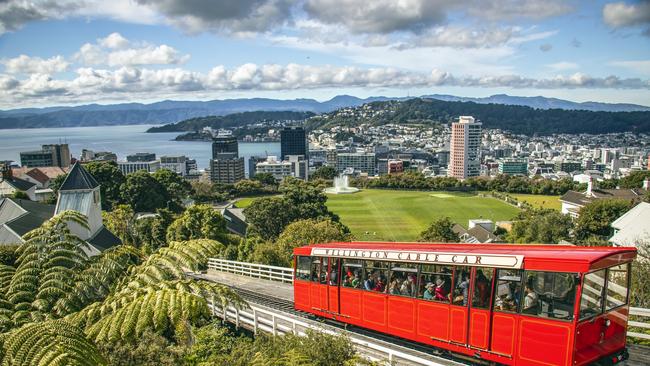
[[352, 273], [549, 294], [591, 301], [403, 279], [482, 288], [435, 283], [334, 272], [461, 286], [374, 278], [617, 286], [302, 268], [318, 274], [323, 278], [508, 290]]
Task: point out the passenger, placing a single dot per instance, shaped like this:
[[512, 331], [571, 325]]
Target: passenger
[[531, 301], [482, 286], [394, 287], [429, 293], [369, 283], [405, 288], [463, 286], [440, 291], [356, 283], [380, 285]]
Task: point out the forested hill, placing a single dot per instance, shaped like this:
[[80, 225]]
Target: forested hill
[[231, 120], [516, 119]]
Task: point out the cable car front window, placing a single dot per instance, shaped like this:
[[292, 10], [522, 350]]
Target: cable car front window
[[617, 286], [303, 265], [591, 301]]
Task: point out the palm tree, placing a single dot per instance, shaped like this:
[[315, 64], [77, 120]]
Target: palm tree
[[58, 302]]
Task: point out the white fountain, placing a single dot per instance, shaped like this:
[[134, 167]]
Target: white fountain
[[341, 186]]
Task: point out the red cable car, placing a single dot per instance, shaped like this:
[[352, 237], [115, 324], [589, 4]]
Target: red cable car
[[507, 304]]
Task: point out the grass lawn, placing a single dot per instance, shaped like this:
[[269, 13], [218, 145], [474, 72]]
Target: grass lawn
[[244, 202], [539, 201], [401, 215]]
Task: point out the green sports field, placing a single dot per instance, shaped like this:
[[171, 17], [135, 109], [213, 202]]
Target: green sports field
[[539, 201], [401, 215]]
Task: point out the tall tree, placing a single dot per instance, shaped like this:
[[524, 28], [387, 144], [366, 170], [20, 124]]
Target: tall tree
[[594, 223], [121, 222], [110, 180], [198, 222], [177, 188], [268, 216], [325, 172], [440, 231], [540, 226], [143, 192], [634, 179]]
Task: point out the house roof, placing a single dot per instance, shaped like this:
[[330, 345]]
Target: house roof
[[34, 215], [581, 198], [38, 175], [51, 171], [482, 234], [20, 184], [104, 239], [632, 227], [78, 179]]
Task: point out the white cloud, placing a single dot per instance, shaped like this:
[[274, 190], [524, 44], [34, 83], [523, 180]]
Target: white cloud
[[132, 82], [640, 66], [621, 14], [113, 41], [112, 51], [563, 66], [24, 64]]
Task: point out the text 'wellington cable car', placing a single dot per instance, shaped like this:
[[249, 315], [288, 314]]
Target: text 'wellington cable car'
[[508, 304]]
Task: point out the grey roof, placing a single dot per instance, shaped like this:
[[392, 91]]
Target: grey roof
[[104, 239], [78, 178], [581, 198], [632, 227], [20, 184], [36, 215]]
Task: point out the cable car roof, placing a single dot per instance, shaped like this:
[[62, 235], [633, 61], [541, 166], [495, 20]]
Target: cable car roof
[[529, 256]]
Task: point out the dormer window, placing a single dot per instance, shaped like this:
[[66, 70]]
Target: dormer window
[[96, 196]]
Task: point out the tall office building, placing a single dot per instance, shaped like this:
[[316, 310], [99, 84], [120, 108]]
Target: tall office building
[[293, 141], [465, 154], [49, 155], [226, 166]]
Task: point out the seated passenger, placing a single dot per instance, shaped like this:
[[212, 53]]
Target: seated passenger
[[429, 293], [380, 285], [393, 289], [440, 290], [531, 301]]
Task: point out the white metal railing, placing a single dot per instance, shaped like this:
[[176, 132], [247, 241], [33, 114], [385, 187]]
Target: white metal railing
[[273, 273], [285, 274], [639, 312], [260, 318]]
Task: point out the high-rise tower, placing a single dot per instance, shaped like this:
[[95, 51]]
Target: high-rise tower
[[465, 154]]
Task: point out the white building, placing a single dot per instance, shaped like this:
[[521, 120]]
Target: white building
[[177, 164], [133, 166], [279, 169], [633, 228], [465, 148]]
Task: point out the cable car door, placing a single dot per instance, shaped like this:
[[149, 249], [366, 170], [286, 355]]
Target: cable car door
[[333, 285], [480, 311]]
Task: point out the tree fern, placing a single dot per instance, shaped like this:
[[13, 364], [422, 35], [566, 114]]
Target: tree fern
[[54, 342]]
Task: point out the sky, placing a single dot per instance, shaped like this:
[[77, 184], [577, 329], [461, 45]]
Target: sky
[[71, 52]]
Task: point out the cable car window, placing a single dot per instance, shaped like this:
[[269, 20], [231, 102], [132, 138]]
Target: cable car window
[[435, 282], [508, 290], [303, 264], [591, 301], [375, 276], [323, 271], [352, 269], [482, 288], [315, 268], [461, 286], [550, 294], [334, 272], [617, 286], [403, 279]]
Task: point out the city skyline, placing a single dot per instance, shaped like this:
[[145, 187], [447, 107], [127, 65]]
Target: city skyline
[[68, 52]]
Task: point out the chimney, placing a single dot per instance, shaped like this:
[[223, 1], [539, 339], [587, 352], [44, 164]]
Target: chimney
[[646, 184], [590, 186]]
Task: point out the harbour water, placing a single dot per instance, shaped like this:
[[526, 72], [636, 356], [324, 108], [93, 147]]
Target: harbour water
[[122, 140]]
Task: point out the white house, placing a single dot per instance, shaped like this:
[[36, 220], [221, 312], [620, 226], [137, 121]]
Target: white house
[[633, 228]]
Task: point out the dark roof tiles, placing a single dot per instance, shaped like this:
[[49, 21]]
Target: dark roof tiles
[[78, 179]]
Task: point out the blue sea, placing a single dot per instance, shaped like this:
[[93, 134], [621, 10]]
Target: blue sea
[[122, 140]]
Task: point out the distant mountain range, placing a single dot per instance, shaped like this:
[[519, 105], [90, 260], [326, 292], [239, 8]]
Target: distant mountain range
[[170, 111]]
